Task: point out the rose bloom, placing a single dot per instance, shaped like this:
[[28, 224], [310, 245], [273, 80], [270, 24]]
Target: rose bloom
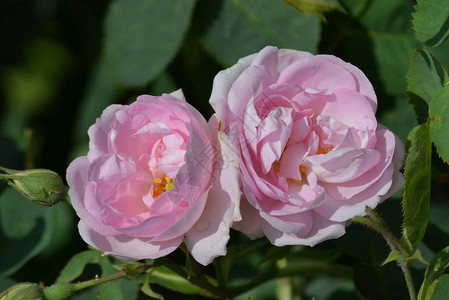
[[152, 179], [312, 155]]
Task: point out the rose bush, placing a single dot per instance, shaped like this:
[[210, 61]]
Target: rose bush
[[152, 179], [312, 155]]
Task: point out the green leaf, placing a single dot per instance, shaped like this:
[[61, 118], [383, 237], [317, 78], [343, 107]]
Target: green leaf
[[416, 198], [439, 122], [317, 7], [18, 216], [431, 21], [142, 37], [231, 29], [441, 291], [111, 290], [74, 268], [397, 255], [392, 64], [399, 117], [425, 77], [146, 289], [437, 266], [394, 256], [165, 277], [26, 230], [100, 93]]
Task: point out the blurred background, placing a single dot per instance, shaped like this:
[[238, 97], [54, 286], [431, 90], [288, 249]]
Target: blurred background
[[63, 61]]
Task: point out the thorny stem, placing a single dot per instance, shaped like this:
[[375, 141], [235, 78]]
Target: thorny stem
[[85, 284], [375, 222]]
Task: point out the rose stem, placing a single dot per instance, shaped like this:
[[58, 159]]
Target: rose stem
[[376, 223], [85, 284]]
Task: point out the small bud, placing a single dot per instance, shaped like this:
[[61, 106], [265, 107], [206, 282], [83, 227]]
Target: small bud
[[59, 291], [134, 270], [24, 290], [41, 186]]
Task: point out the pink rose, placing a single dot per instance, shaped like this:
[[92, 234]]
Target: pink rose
[[312, 155], [153, 179]]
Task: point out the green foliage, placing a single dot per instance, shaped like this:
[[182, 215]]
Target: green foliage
[[317, 7], [437, 266], [439, 122], [231, 29], [146, 289], [60, 72], [431, 21], [26, 231], [74, 268], [173, 281], [416, 199], [142, 37], [425, 77], [441, 289]]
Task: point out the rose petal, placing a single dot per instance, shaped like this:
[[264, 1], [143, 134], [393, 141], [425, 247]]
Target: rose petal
[[98, 133], [321, 230], [342, 165], [77, 174], [207, 239], [127, 247]]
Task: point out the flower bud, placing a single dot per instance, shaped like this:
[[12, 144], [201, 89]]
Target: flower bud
[[59, 291], [24, 290], [41, 186]]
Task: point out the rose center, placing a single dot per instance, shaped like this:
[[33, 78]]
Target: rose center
[[325, 150], [162, 184]]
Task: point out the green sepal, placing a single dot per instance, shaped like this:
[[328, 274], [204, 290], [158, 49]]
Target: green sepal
[[146, 288], [23, 290]]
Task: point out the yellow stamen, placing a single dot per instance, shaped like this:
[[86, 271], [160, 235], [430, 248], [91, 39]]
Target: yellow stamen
[[303, 169], [161, 185], [324, 150]]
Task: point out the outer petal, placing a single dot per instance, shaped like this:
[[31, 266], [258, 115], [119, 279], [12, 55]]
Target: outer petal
[[251, 223], [222, 84], [322, 229], [77, 175], [207, 239], [122, 245], [178, 94], [364, 86], [318, 74], [98, 133]]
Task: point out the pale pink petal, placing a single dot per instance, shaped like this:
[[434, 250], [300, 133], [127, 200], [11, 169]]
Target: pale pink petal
[[364, 86], [385, 145], [291, 160], [299, 223], [360, 116], [342, 165], [343, 210], [318, 74], [251, 223], [273, 134], [126, 247], [222, 84], [321, 230], [77, 174], [98, 133], [186, 221], [207, 239], [178, 94]]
